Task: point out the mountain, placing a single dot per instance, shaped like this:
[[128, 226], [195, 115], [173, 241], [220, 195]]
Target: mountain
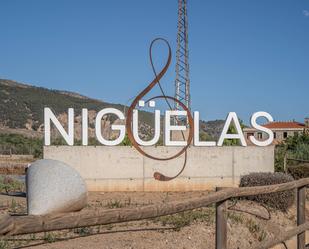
[[22, 105], [212, 128]]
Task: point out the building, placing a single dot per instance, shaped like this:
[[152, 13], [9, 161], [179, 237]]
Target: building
[[281, 130]]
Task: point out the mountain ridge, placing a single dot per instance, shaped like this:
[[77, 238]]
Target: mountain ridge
[[22, 105]]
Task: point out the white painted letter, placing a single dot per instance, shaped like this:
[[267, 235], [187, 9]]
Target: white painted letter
[[197, 141], [49, 116], [157, 129], [84, 126], [232, 116], [121, 128], [254, 124], [169, 128]]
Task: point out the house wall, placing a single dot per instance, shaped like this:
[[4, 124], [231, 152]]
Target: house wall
[[122, 168], [279, 134]]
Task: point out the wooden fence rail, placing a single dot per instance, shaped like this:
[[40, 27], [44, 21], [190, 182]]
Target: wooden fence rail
[[297, 160], [17, 225]]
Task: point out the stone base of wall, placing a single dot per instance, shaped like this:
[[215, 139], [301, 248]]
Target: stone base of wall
[[122, 168]]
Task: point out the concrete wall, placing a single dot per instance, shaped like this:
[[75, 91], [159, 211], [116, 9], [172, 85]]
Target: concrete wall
[[122, 168]]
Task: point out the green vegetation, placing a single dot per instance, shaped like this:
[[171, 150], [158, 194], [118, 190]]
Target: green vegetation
[[256, 230], [114, 204], [295, 147], [232, 130], [20, 103], [183, 219], [126, 141], [22, 145], [8, 184], [118, 203], [83, 231], [49, 237], [4, 244], [235, 218], [205, 136], [253, 226], [299, 171], [19, 144]]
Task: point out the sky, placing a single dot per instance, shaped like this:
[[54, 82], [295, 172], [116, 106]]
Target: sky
[[245, 55]]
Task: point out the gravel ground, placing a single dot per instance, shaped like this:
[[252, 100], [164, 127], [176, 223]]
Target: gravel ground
[[193, 229]]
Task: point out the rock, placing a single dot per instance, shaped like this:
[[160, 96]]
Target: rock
[[54, 187]]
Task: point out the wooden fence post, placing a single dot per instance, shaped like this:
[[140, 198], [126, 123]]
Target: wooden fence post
[[285, 163], [221, 224], [301, 216]]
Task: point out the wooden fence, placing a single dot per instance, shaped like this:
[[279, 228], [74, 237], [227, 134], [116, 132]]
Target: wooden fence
[[17, 225], [287, 159]]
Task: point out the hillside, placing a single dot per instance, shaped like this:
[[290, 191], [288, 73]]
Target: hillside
[[212, 128], [22, 105]]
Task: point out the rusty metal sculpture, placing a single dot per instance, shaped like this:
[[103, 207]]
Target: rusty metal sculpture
[[151, 85]]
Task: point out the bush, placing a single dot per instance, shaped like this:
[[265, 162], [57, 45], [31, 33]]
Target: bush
[[281, 200], [296, 147], [19, 144], [280, 151], [8, 184], [299, 171]]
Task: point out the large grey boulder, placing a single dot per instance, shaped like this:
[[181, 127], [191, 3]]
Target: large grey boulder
[[54, 187]]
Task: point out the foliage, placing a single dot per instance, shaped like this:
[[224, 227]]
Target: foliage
[[183, 219], [299, 171], [49, 237], [204, 136], [295, 147], [280, 151], [4, 244], [292, 143], [20, 144], [232, 130], [212, 128], [280, 200], [20, 103], [235, 217], [301, 151], [126, 141], [114, 204], [256, 230], [8, 184], [83, 231]]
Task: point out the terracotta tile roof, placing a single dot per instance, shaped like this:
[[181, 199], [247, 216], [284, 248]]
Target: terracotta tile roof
[[284, 125]]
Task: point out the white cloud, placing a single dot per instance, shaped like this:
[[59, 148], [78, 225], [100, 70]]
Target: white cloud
[[306, 13]]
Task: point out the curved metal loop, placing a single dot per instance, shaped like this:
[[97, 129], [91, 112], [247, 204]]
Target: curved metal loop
[[155, 81]]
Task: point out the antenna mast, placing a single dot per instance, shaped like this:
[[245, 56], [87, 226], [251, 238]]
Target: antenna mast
[[182, 82]]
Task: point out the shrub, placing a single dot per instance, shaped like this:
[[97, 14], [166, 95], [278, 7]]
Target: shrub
[[296, 147], [4, 244], [280, 151], [299, 171], [19, 144], [9, 184], [301, 151], [183, 219], [281, 200]]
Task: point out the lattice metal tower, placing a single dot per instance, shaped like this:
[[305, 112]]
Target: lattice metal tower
[[182, 82]]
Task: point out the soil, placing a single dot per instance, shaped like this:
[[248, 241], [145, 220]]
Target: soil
[[193, 229], [14, 164]]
